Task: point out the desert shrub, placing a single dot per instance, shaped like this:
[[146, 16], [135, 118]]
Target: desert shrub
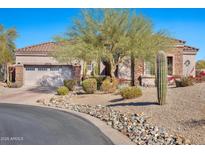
[[131, 92], [89, 85], [184, 82], [70, 84], [199, 79], [62, 90], [99, 80], [109, 85]]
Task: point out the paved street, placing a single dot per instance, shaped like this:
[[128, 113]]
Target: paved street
[[21, 124]]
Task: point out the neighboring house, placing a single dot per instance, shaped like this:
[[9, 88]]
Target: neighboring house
[[39, 68]]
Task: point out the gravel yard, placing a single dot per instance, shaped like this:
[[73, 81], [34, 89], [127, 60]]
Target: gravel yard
[[184, 112]]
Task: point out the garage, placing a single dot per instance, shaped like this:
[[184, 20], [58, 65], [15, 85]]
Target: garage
[[46, 75]]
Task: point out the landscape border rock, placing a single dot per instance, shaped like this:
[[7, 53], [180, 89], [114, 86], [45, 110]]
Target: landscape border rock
[[134, 126]]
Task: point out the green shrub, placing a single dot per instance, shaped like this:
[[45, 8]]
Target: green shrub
[[184, 82], [89, 85], [109, 85], [99, 80], [62, 90], [70, 84], [131, 92]]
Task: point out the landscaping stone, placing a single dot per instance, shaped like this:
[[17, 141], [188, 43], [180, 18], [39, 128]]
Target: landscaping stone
[[134, 126]]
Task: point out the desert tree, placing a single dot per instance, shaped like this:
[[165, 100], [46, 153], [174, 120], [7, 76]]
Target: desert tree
[[110, 35], [99, 35], [7, 48], [144, 42]]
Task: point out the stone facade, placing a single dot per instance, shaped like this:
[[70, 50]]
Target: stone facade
[[19, 69], [180, 54], [177, 54]]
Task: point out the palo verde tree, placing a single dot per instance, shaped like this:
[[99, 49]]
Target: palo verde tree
[[110, 35], [99, 35], [143, 42], [7, 48]]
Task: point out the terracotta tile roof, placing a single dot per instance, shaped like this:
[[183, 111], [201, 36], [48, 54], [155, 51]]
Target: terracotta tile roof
[[178, 40], [186, 47], [39, 49], [42, 48], [48, 47]]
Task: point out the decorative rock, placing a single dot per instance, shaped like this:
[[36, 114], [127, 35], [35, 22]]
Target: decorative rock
[[133, 125]]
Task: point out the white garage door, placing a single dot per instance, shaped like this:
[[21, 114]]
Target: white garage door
[[47, 75]]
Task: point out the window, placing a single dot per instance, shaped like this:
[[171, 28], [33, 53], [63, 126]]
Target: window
[[89, 67], [149, 68], [42, 69], [30, 68], [54, 69], [170, 65]]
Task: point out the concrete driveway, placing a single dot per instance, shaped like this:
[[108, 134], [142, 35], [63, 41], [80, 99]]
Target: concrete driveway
[[24, 95], [22, 124]]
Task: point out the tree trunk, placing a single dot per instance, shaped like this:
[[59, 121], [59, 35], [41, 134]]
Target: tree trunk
[[84, 70], [133, 83], [7, 73], [95, 69], [112, 69], [98, 65], [4, 72]]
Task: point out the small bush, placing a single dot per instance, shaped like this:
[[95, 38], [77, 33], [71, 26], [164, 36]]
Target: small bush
[[89, 85], [109, 85], [70, 84], [99, 80], [62, 90], [199, 79], [131, 92], [184, 82]]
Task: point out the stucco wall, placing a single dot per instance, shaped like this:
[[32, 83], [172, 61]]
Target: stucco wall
[[124, 69], [39, 60], [189, 65]]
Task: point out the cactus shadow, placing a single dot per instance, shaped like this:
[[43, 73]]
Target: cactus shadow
[[41, 89], [195, 123], [134, 104]]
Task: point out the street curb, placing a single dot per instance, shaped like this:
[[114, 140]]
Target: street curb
[[114, 135]]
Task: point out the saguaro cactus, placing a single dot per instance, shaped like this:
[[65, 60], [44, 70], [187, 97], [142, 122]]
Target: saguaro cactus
[[161, 77]]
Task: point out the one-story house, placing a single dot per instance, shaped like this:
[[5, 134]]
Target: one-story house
[[36, 66], [39, 68]]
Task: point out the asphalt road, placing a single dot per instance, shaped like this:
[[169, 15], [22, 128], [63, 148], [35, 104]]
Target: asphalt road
[[29, 125]]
